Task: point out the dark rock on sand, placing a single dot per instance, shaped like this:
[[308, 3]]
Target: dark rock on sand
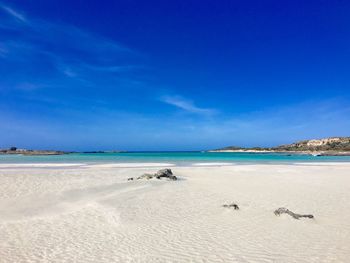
[[283, 210], [164, 173], [233, 205]]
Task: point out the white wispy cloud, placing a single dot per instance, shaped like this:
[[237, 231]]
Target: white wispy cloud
[[71, 54], [186, 105], [3, 51], [14, 13], [69, 72], [63, 41], [111, 69], [268, 127]]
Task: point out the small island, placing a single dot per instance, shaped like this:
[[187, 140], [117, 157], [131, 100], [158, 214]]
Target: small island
[[15, 150], [333, 146]]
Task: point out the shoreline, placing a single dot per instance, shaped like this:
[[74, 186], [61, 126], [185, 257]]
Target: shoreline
[[138, 165]]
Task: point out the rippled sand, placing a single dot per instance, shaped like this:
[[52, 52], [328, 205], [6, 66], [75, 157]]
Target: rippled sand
[[91, 213]]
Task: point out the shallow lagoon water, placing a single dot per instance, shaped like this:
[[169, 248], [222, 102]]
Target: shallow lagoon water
[[178, 158]]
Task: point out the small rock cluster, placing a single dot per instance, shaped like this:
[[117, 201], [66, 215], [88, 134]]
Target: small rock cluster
[[164, 173], [283, 210], [168, 174]]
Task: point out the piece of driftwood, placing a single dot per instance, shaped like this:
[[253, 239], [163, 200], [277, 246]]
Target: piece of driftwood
[[283, 210], [233, 205]]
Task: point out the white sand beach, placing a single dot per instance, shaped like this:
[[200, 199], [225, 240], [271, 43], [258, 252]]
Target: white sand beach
[[91, 213]]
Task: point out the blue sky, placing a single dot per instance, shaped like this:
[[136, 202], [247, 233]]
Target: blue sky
[[172, 75]]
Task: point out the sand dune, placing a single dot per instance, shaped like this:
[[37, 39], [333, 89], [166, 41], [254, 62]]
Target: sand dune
[[92, 214]]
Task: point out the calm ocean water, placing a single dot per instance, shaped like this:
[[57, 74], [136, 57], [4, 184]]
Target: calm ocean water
[[171, 157]]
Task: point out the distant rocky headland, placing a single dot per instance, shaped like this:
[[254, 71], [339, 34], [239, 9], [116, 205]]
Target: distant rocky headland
[[15, 150], [336, 146]]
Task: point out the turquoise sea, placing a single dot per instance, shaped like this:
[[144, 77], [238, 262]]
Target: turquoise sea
[[171, 157]]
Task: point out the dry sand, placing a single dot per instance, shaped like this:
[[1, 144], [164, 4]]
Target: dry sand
[[91, 213]]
